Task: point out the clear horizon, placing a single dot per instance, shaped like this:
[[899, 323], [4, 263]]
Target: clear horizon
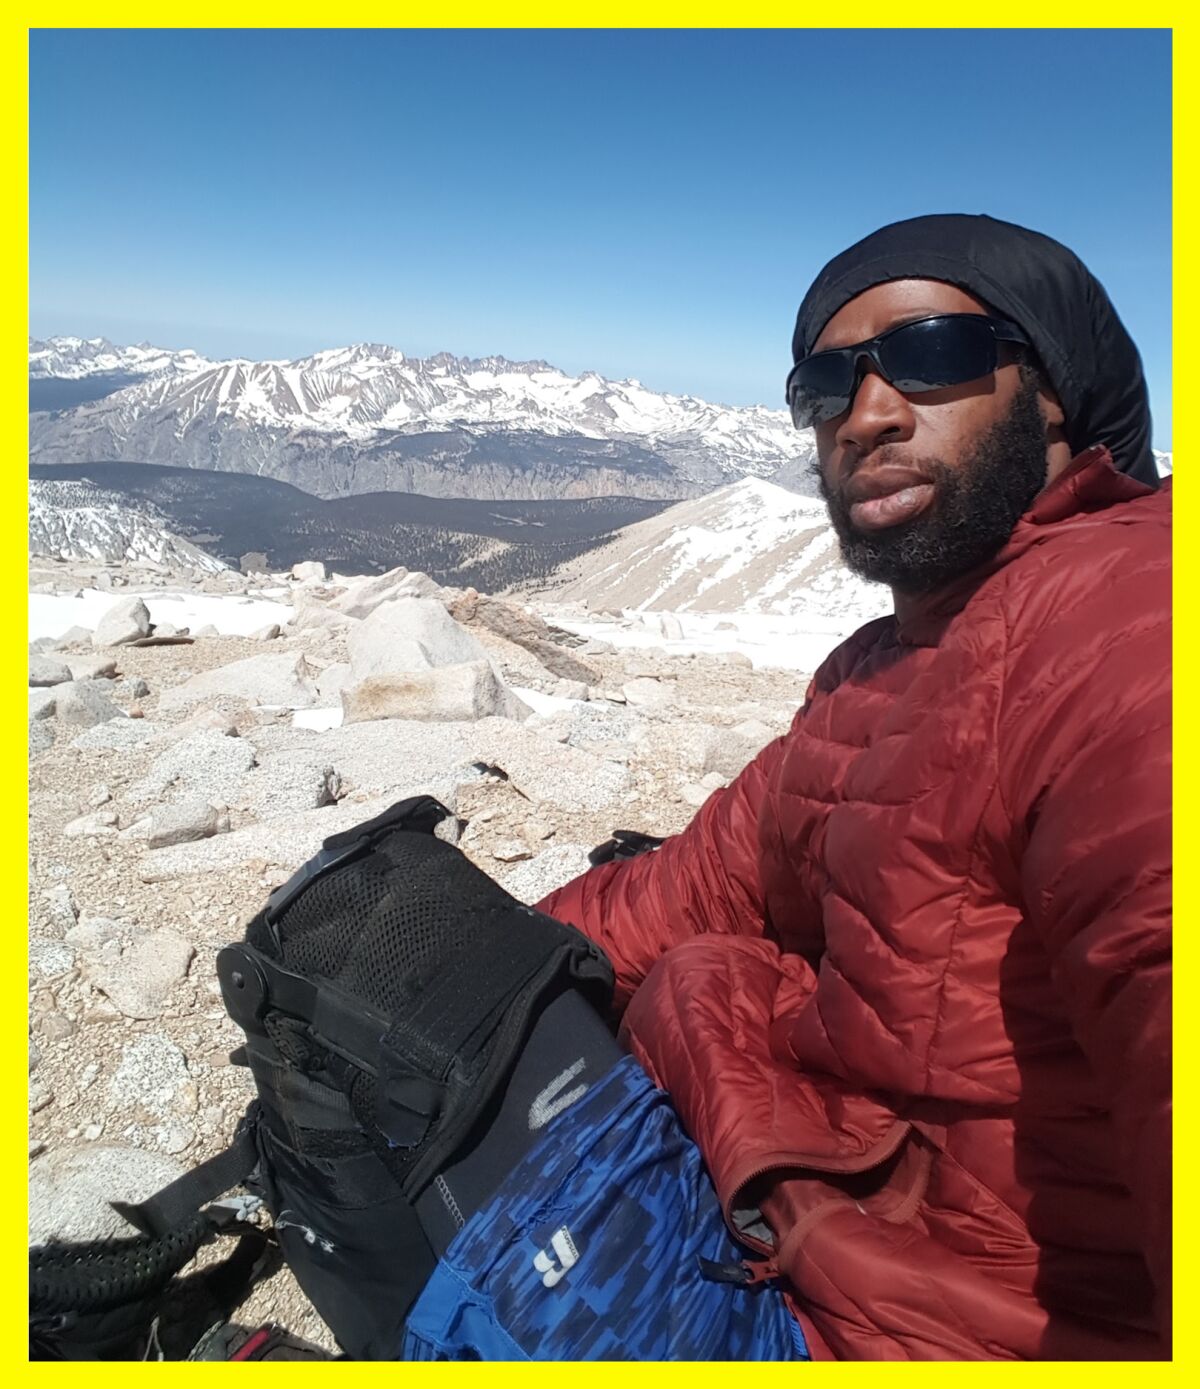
[[649, 205]]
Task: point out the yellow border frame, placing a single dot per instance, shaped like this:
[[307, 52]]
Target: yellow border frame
[[1076, 90]]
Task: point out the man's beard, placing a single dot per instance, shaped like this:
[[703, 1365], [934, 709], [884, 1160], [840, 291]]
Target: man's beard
[[975, 507]]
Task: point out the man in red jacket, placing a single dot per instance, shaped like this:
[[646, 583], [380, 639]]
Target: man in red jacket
[[908, 979]]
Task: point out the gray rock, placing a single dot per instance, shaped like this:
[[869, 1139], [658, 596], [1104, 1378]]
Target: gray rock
[[70, 1190], [42, 703], [648, 693], [95, 823], [73, 637], [184, 821], [329, 684], [511, 851], [92, 668], [267, 633], [83, 704], [409, 634], [531, 881], [41, 739], [309, 569], [48, 959], [140, 980], [152, 1080], [118, 734], [45, 671], [361, 599], [450, 693], [524, 629], [91, 934], [282, 679], [132, 687], [280, 788], [61, 909], [125, 621], [204, 765], [208, 630]]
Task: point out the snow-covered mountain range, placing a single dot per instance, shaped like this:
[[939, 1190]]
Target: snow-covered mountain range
[[69, 358], [369, 418]]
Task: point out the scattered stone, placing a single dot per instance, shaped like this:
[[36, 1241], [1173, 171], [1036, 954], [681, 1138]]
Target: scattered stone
[[98, 795], [409, 634], [152, 1080], [70, 1190], [45, 671], [267, 633], [35, 1055], [282, 679], [82, 704], [283, 787], [92, 668], [531, 881], [36, 1147], [73, 637], [645, 692], [97, 822], [132, 688], [694, 794], [361, 599], [511, 851], [205, 765], [42, 703], [41, 739], [175, 1138], [149, 967], [309, 569], [208, 630], [49, 959], [157, 639], [56, 1027], [523, 629], [117, 734], [126, 621], [61, 909], [467, 692], [184, 821], [571, 689]]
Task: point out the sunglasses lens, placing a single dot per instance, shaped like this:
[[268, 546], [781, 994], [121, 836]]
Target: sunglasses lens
[[820, 388], [937, 352]]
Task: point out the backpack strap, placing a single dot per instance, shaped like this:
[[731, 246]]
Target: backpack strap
[[178, 1203]]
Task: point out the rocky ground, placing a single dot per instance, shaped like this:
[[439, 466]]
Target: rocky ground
[[173, 785]]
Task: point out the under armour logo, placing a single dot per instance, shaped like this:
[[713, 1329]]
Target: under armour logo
[[550, 1102], [554, 1262]]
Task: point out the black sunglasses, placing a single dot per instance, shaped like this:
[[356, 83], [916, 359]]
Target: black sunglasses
[[927, 354]]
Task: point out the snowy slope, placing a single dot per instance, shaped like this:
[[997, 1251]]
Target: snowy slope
[[751, 548], [77, 520]]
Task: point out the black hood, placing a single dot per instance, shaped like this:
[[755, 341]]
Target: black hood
[[1086, 352]]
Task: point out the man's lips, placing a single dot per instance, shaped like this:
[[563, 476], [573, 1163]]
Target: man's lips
[[887, 497]]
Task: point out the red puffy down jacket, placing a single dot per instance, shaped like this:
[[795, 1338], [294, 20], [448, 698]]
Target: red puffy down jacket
[[908, 978]]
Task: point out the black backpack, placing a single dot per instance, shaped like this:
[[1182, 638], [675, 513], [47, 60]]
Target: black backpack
[[385, 992]]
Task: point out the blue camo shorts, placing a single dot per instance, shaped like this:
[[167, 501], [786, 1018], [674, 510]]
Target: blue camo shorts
[[591, 1250]]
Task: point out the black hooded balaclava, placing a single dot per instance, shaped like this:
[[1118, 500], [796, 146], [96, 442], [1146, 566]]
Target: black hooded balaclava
[[1089, 358]]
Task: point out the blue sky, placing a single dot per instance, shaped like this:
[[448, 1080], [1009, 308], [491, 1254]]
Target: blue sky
[[643, 204]]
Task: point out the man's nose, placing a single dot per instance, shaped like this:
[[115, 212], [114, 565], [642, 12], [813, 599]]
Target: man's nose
[[879, 413]]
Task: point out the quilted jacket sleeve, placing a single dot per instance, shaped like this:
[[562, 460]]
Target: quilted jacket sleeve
[[1085, 742], [705, 879]]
